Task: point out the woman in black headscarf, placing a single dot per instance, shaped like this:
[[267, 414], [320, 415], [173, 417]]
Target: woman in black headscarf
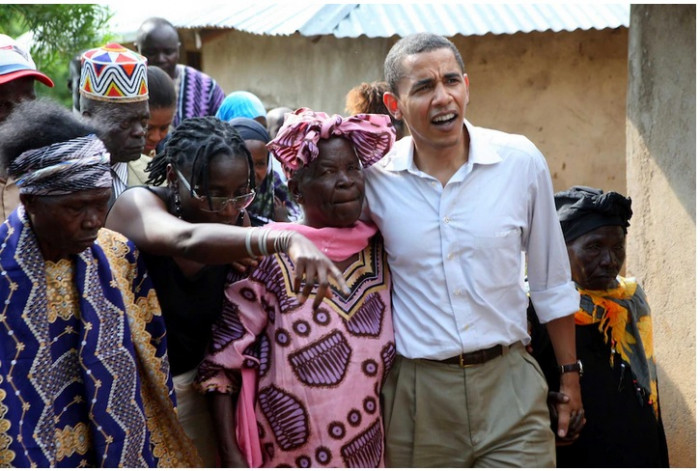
[[613, 339]]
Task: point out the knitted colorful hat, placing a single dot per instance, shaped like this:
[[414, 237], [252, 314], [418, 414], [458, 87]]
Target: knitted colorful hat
[[113, 73]]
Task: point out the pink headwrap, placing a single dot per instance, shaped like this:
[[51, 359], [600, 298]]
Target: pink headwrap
[[296, 143]]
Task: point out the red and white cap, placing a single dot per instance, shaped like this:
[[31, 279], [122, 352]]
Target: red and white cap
[[16, 62]]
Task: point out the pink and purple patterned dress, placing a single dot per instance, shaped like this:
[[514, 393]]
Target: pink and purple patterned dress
[[319, 373]]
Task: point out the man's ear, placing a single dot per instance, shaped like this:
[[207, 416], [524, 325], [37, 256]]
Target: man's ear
[[392, 104]]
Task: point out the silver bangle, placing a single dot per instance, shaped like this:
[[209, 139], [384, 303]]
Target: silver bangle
[[248, 248], [262, 242], [283, 240]]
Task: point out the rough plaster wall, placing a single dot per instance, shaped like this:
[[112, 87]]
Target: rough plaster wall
[[661, 177], [295, 71], [565, 91]]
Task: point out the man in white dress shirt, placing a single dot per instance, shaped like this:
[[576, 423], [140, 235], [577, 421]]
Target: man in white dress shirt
[[457, 205]]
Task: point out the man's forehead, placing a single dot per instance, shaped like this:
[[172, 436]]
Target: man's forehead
[[429, 65]]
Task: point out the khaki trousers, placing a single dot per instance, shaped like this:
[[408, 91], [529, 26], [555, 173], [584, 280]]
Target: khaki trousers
[[193, 413], [489, 415]]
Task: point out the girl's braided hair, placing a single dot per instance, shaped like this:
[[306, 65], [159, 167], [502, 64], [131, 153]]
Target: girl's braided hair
[[192, 146]]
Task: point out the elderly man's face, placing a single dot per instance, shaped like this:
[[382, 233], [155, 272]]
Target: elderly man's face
[[67, 224], [124, 129], [161, 46], [597, 257], [13, 93]]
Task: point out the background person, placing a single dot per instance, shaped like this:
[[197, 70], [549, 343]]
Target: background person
[[614, 339], [161, 106], [273, 202], [198, 94], [456, 205], [275, 119], [242, 104], [17, 76], [319, 369], [114, 94], [84, 375], [187, 234], [369, 98]]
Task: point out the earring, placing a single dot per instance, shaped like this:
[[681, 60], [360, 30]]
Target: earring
[[176, 201]]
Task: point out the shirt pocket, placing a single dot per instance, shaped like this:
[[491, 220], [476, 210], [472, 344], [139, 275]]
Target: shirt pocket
[[495, 259]]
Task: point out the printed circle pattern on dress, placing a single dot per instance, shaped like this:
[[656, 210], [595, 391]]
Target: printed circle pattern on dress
[[303, 462], [370, 405], [336, 430], [323, 455], [248, 294], [322, 317], [302, 328], [269, 310], [282, 337], [354, 417], [370, 367]]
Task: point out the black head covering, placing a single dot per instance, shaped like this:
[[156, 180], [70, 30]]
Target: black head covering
[[249, 129], [582, 209]]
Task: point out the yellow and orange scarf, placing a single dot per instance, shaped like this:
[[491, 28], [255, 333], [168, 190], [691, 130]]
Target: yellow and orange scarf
[[624, 317]]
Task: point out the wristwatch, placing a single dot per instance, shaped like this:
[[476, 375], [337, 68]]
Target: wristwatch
[[578, 366]]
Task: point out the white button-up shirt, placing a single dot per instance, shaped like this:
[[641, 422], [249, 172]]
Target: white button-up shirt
[[455, 252]]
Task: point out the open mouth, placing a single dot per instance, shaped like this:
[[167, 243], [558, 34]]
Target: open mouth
[[444, 119]]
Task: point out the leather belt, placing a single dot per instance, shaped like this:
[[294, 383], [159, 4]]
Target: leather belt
[[477, 357]]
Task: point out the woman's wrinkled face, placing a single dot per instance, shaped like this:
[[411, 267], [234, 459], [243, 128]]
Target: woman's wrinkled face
[[597, 257], [332, 188], [67, 224], [228, 178]]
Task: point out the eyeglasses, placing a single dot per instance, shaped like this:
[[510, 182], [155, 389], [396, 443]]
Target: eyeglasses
[[216, 204]]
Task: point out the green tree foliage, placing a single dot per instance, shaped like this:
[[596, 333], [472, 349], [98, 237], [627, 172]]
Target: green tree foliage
[[59, 32]]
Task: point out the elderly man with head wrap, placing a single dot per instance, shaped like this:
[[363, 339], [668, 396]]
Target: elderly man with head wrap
[[613, 339], [84, 375]]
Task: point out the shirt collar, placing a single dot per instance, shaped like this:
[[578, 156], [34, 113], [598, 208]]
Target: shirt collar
[[401, 155]]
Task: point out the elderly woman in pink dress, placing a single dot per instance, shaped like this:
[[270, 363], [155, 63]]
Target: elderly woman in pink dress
[[308, 380]]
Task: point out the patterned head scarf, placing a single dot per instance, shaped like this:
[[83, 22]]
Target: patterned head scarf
[[241, 104], [113, 73], [63, 168], [296, 143], [582, 209]]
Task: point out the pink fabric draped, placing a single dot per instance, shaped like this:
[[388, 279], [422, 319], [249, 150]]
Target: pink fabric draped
[[336, 243], [296, 144]]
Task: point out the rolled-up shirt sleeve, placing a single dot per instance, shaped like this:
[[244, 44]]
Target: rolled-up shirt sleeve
[[552, 290]]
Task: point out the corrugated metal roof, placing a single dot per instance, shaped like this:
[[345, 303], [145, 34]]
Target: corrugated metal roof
[[385, 20]]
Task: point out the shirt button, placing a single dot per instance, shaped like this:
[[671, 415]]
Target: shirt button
[[447, 220], [450, 256]]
